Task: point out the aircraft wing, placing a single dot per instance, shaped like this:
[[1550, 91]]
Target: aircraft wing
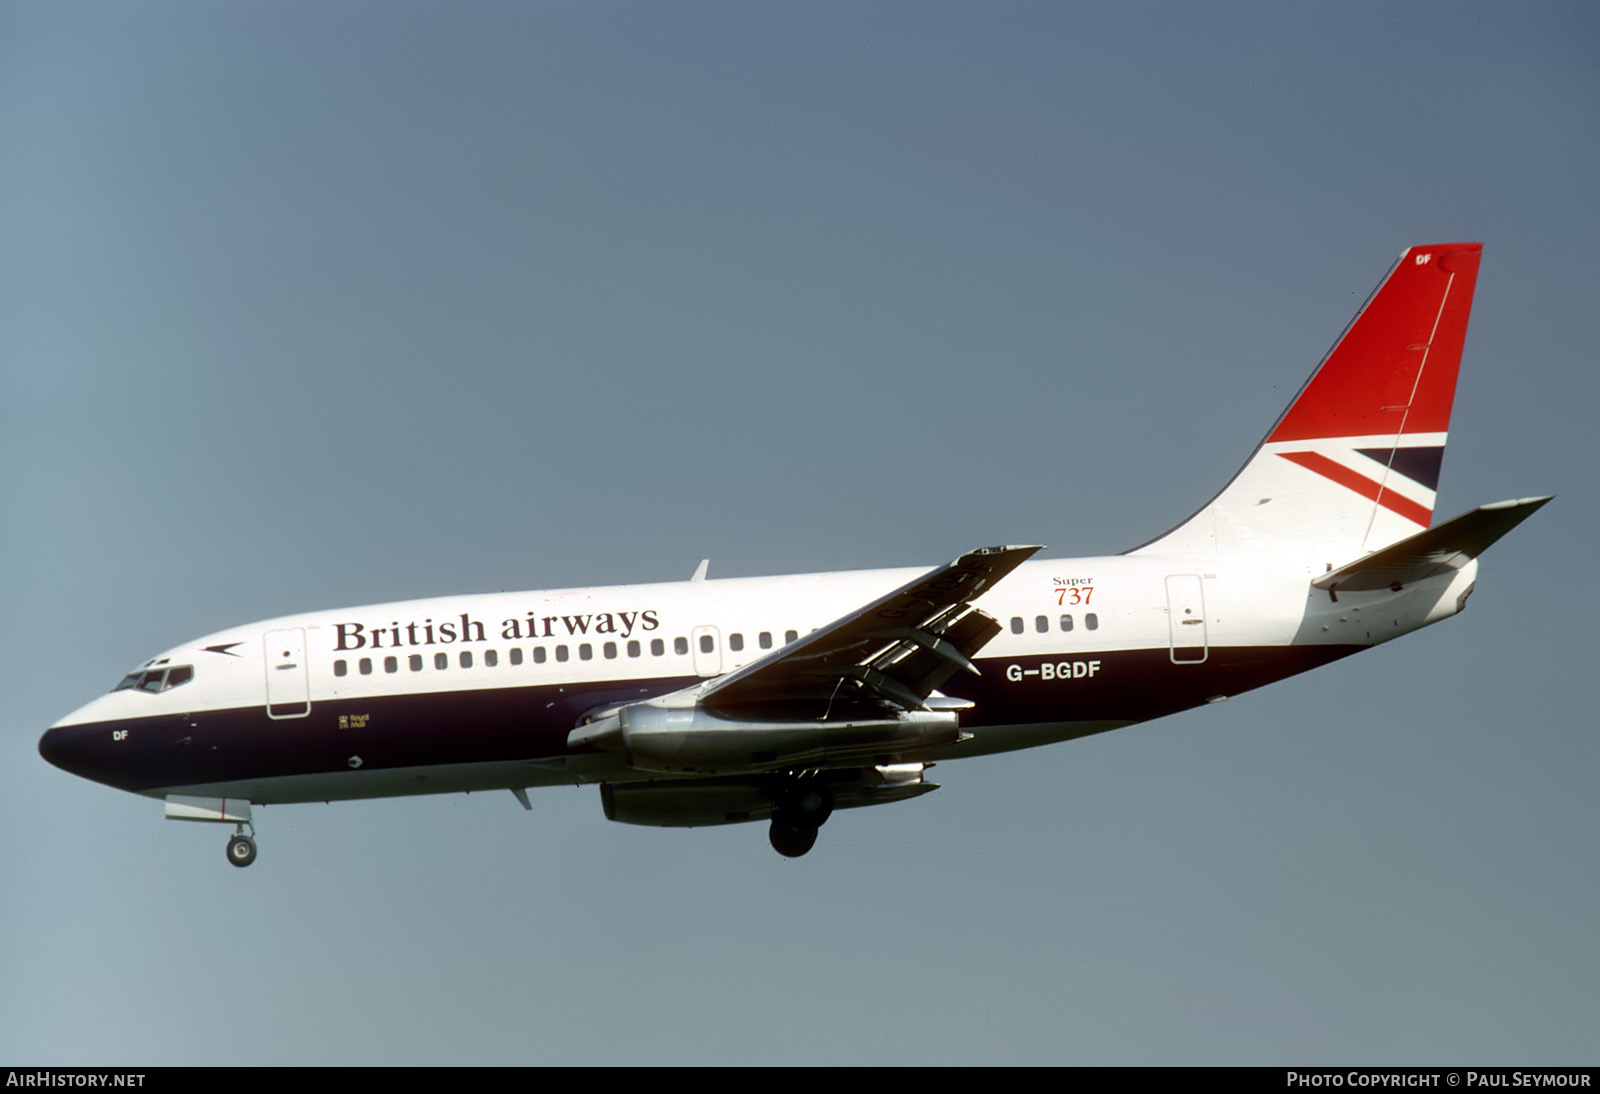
[[896, 650]]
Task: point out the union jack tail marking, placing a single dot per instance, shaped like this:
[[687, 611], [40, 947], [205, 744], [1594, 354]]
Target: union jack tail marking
[[1353, 464]]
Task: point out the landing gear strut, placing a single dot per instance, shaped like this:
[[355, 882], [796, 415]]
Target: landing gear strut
[[241, 848], [800, 809]]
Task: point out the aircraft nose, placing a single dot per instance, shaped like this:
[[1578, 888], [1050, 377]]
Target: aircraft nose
[[62, 747], [83, 750]]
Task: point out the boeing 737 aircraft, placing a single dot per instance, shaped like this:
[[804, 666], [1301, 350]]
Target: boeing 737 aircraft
[[782, 699]]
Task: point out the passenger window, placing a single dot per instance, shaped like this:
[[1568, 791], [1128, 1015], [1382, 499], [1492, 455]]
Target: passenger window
[[790, 636], [516, 655], [391, 664], [1092, 621], [415, 661], [561, 653], [633, 649], [764, 640], [585, 651], [441, 660], [340, 668], [365, 664], [680, 646], [610, 650], [179, 676], [736, 641], [1042, 624], [490, 658], [657, 647], [539, 655], [466, 659], [1016, 624], [1066, 622], [706, 644]]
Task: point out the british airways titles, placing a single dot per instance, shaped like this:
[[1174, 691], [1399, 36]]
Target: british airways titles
[[357, 636]]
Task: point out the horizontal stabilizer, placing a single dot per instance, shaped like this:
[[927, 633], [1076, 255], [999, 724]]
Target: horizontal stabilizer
[[1440, 550]]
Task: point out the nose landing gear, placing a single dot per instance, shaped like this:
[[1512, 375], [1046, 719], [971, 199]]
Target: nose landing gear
[[242, 848]]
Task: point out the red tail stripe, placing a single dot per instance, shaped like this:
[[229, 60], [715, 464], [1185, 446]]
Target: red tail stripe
[[1339, 473]]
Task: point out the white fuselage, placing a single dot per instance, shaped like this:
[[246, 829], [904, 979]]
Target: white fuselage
[[476, 692]]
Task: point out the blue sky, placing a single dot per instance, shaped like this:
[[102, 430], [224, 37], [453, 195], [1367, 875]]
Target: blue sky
[[304, 305]]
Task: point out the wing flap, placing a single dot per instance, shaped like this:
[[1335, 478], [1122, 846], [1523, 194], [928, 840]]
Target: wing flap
[[925, 668]]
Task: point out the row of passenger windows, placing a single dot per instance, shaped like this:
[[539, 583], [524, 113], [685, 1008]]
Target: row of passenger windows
[[634, 648], [1041, 623], [166, 679], [609, 650]]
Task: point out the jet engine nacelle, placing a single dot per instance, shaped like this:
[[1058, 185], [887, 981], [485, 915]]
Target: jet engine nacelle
[[681, 740], [699, 803]]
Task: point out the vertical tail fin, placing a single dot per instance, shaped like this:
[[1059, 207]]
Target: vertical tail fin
[[1354, 462]]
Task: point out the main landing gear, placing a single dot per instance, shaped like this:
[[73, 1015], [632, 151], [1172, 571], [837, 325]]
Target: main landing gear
[[800, 809], [242, 848]]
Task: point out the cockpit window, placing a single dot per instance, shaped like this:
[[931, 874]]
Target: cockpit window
[[157, 679]]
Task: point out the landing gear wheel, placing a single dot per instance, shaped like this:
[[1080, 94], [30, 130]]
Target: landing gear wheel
[[241, 850], [792, 840]]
